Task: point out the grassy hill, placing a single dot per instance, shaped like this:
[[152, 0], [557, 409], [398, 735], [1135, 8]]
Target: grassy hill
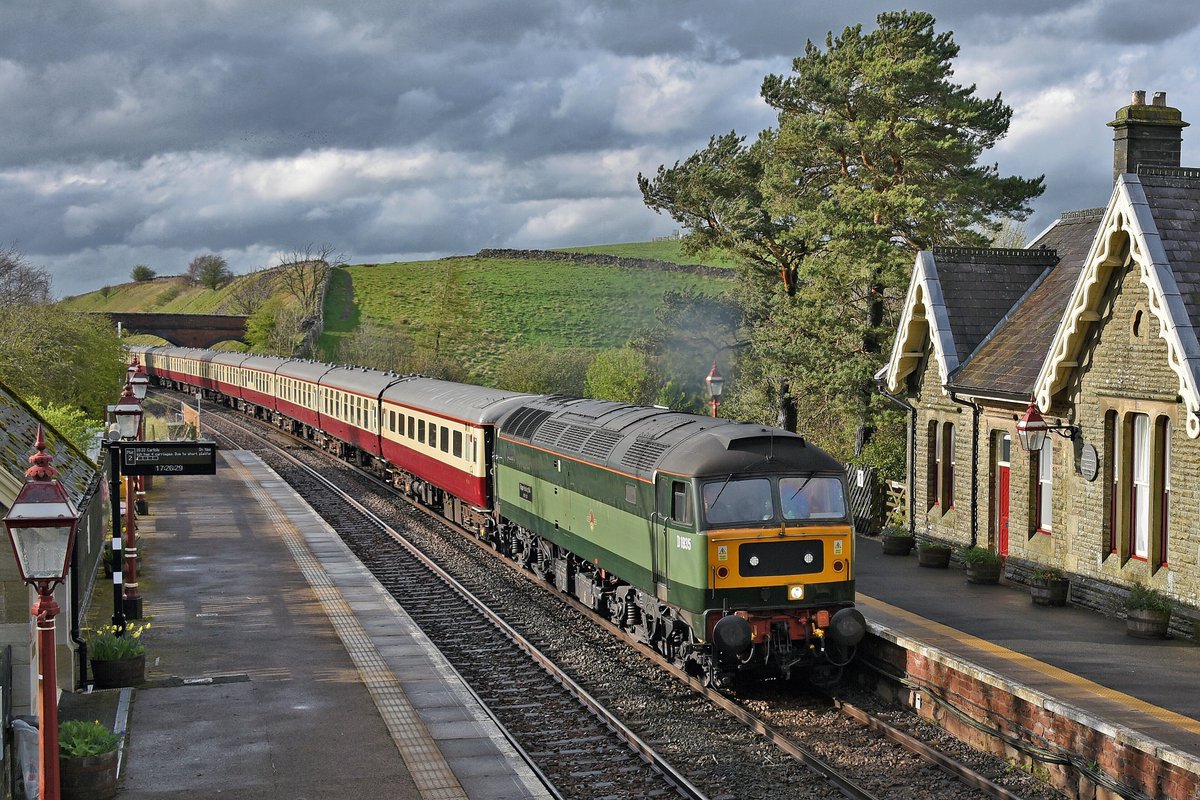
[[660, 250], [479, 307], [475, 308]]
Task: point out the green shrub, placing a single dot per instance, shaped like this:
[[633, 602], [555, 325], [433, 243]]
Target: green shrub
[[976, 556], [1147, 599], [900, 533], [77, 739], [1047, 574], [105, 645], [933, 547]]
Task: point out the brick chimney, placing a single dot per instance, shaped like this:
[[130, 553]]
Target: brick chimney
[[1146, 134]]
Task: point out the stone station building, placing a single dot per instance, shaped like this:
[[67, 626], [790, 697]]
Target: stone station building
[[1096, 321]]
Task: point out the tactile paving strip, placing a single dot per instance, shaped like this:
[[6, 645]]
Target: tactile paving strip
[[430, 772]]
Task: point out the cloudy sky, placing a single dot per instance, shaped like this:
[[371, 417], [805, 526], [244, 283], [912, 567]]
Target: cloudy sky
[[144, 131]]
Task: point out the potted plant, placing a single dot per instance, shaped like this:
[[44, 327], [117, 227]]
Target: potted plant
[[87, 758], [983, 565], [897, 542], [1147, 613], [933, 554], [117, 660], [1049, 587]]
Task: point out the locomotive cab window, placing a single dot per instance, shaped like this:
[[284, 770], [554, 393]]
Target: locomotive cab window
[[812, 497], [733, 501], [681, 503]]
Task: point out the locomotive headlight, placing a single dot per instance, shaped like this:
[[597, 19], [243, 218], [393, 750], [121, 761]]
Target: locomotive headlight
[[796, 592]]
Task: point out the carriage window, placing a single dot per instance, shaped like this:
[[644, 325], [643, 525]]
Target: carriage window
[[458, 444], [421, 431], [445, 440], [432, 435], [812, 497], [411, 422], [681, 508], [746, 500], [392, 421]]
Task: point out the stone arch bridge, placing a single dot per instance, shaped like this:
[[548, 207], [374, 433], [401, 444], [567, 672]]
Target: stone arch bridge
[[184, 330]]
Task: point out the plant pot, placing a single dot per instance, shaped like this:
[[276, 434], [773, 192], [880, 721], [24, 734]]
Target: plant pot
[[110, 674], [1143, 623], [984, 573], [897, 545], [88, 777], [1050, 592], [936, 557]]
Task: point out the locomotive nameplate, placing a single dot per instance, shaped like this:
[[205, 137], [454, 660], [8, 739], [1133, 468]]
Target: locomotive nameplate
[[168, 458]]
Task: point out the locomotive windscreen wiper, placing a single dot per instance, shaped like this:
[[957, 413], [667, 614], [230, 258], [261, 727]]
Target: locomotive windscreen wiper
[[811, 475]]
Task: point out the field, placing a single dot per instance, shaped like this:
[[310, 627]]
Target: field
[[661, 250], [163, 295], [478, 308]]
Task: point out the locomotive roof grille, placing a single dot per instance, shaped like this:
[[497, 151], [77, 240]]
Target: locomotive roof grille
[[525, 421], [643, 454], [549, 432], [573, 437], [600, 444]]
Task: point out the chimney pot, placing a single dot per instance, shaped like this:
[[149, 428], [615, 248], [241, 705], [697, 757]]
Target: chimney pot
[[1160, 98], [1148, 135], [1139, 97]]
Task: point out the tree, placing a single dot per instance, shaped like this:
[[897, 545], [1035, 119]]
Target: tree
[[623, 375], [142, 273], [69, 420], [302, 274], [376, 346], [875, 157], [21, 283], [66, 358], [210, 271], [541, 369], [251, 293]]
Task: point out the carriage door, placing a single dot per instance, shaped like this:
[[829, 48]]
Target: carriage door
[[1003, 451]]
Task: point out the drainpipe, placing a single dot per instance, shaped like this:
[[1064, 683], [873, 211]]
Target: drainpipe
[[912, 452], [975, 411]]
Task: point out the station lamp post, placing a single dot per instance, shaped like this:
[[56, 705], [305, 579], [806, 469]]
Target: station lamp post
[[41, 528], [716, 384], [128, 412], [139, 381], [1032, 429]]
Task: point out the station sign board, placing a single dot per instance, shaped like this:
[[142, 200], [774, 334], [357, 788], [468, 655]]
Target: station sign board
[[168, 458]]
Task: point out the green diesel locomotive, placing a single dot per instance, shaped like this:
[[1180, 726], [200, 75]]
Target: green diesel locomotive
[[727, 547]]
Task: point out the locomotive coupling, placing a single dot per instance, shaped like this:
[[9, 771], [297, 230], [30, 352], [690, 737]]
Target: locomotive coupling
[[847, 627]]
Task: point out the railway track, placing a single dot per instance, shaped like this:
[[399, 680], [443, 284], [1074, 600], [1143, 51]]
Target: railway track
[[696, 732]]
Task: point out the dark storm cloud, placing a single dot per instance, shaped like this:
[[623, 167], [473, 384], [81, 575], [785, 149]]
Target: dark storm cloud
[[139, 131]]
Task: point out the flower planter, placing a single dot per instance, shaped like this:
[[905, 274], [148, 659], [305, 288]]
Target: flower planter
[[108, 674], [1144, 623], [984, 573], [936, 557], [897, 545], [88, 777], [1050, 592]]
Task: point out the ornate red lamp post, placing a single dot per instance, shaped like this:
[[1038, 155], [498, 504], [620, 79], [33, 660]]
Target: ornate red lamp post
[[716, 384], [41, 528], [128, 412]]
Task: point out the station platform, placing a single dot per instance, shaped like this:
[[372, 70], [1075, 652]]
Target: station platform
[[1075, 663], [278, 668]]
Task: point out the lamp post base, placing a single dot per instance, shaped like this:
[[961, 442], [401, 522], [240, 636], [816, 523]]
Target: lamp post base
[[132, 607]]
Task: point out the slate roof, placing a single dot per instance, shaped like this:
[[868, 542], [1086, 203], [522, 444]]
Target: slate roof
[[1001, 364], [980, 285], [18, 429], [1174, 197]]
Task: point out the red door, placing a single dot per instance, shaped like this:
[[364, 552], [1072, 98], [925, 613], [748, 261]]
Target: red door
[[1003, 451], [1002, 509]]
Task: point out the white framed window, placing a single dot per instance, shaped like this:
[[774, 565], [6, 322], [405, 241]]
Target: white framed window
[[1045, 485], [1140, 489]]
